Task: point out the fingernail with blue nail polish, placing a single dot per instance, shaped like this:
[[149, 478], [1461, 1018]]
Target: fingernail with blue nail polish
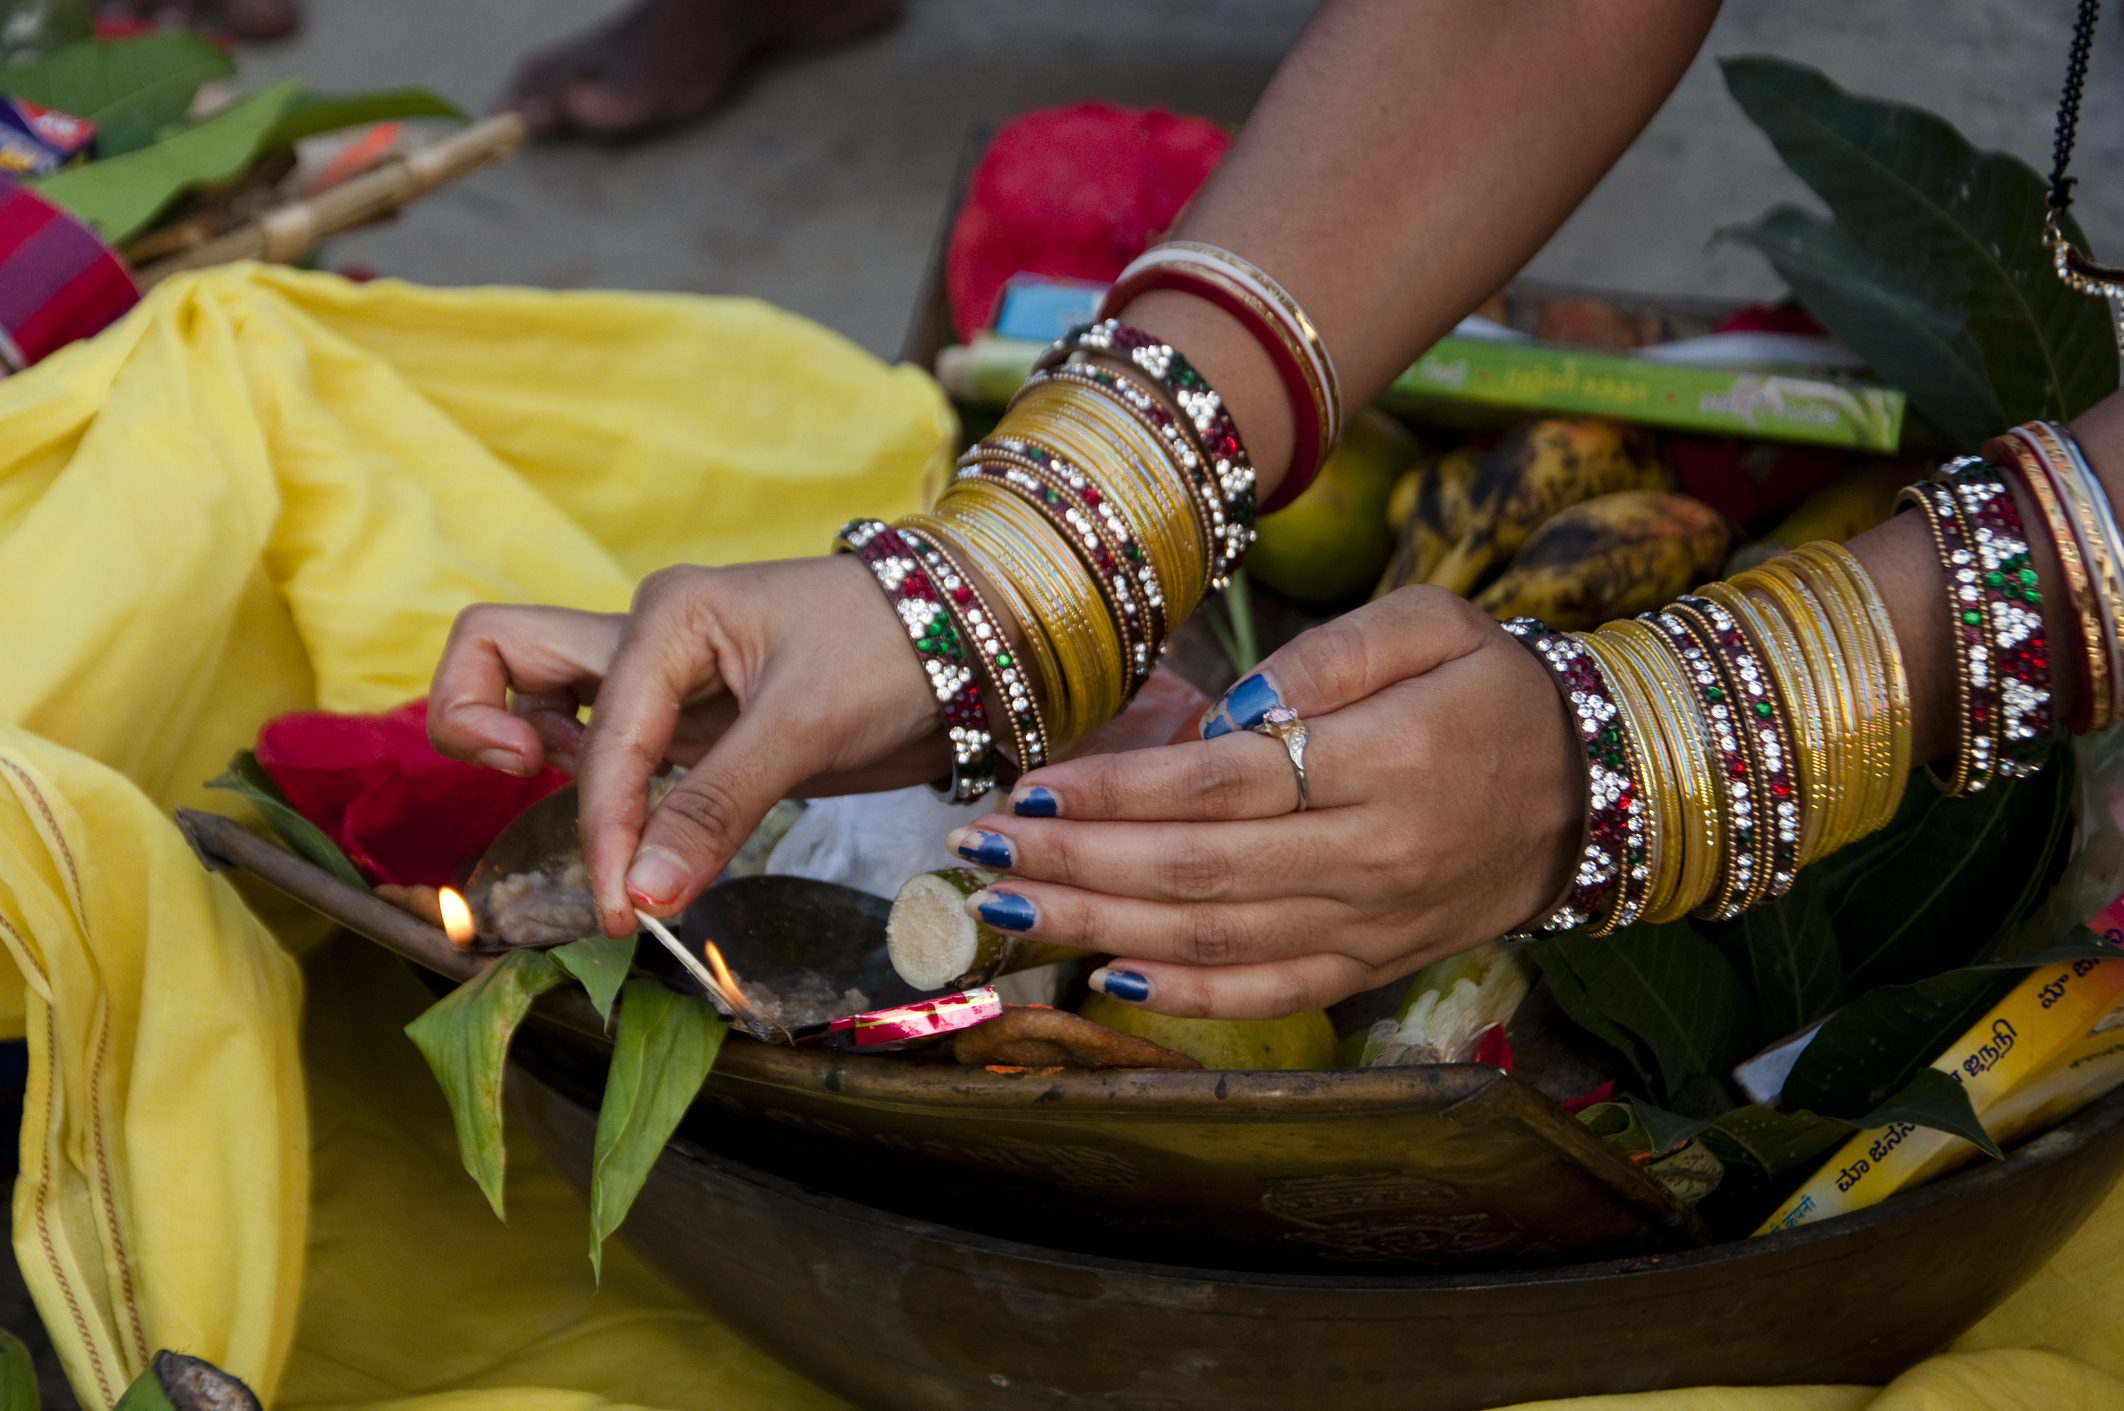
[[1241, 707], [1035, 802], [983, 848], [1006, 911], [1125, 985]]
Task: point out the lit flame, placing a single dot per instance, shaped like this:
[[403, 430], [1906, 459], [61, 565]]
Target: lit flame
[[456, 917], [732, 995]]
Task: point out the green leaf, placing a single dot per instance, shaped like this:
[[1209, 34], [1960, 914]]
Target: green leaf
[[312, 113], [465, 1038], [1948, 881], [1676, 992], [2080, 944], [601, 964], [1966, 225], [666, 1044], [18, 1375], [247, 777], [34, 30], [1933, 1099], [1872, 1047], [130, 88], [1774, 1143], [120, 196], [1573, 999], [1791, 954], [1666, 1130], [1881, 314]]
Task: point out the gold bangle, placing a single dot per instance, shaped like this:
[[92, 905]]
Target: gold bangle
[[2097, 538], [1844, 578], [1703, 831], [1065, 603], [1655, 788], [1046, 675], [1864, 716], [1780, 653], [1822, 656]]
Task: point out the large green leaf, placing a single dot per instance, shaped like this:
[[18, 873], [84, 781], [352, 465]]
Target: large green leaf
[[465, 1038], [1675, 991], [1872, 1047], [600, 963], [665, 1046], [1573, 999], [130, 88], [1965, 225], [18, 1375], [1933, 1099], [1791, 955], [1881, 314], [246, 776], [1949, 880], [34, 30], [312, 113], [120, 196]]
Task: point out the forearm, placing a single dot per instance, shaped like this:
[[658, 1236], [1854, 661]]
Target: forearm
[[1409, 157]]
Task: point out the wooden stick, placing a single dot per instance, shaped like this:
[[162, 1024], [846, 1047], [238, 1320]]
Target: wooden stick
[[223, 843], [283, 235]]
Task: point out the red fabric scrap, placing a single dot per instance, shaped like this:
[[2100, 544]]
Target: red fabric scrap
[[1772, 318], [1074, 192], [401, 812], [1493, 1048], [1604, 1093]]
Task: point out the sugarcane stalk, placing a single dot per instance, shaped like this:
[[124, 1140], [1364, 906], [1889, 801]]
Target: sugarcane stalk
[[935, 945]]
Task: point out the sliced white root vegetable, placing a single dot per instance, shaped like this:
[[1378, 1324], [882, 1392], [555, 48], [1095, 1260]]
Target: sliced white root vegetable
[[936, 945]]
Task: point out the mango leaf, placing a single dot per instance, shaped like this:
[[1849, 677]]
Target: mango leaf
[[1675, 991], [666, 1044], [18, 1375], [1881, 314], [34, 30], [465, 1038], [121, 195], [312, 113], [1873, 1046], [1791, 954], [1666, 1130], [246, 776], [2079, 944], [1933, 1099], [1774, 1143], [601, 964], [1574, 1001], [130, 88], [1949, 880], [1965, 225]]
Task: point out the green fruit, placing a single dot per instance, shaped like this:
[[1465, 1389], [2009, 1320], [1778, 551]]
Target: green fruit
[[1332, 541], [1301, 1040]]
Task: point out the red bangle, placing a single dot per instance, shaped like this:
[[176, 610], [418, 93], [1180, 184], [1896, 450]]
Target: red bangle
[[2013, 613]]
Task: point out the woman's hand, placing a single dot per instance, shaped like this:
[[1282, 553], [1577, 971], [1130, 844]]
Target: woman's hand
[[1448, 799], [768, 679]]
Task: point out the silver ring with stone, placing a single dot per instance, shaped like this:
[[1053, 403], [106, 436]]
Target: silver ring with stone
[[1282, 723]]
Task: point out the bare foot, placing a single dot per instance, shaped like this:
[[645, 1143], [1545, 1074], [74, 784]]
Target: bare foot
[[246, 19], [663, 61]]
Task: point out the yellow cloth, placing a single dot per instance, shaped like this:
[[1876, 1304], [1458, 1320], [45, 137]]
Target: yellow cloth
[[263, 491]]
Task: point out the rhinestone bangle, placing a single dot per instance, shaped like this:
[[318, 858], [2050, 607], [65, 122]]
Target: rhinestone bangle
[[2013, 608], [1755, 698], [1976, 750], [923, 612], [1741, 877], [1612, 868], [979, 625]]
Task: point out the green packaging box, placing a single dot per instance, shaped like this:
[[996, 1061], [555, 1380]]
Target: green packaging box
[[1763, 405]]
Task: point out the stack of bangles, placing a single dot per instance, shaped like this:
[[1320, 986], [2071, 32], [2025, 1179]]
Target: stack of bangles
[[1750, 728], [1112, 497]]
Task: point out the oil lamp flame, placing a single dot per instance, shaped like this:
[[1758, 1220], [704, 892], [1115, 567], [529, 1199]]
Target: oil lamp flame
[[456, 917]]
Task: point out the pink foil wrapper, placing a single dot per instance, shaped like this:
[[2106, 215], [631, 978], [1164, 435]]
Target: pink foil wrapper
[[923, 1019]]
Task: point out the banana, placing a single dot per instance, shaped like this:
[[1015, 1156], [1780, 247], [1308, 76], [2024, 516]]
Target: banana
[[1537, 469], [1432, 501], [1611, 556], [1849, 505]]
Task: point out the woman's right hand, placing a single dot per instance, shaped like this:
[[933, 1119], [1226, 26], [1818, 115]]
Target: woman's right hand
[[766, 679]]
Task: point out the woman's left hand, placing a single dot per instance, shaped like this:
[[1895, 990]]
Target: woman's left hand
[[1447, 801]]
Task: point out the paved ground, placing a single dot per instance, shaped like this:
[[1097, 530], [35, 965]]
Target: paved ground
[[821, 185]]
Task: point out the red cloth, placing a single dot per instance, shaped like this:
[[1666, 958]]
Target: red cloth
[[1075, 192], [58, 282], [401, 812], [1772, 318]]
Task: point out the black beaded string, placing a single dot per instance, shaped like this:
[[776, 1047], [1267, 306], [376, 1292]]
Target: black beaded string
[[2069, 105]]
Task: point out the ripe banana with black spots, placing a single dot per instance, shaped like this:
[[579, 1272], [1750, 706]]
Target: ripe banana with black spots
[[1611, 556], [1428, 511], [1540, 467]]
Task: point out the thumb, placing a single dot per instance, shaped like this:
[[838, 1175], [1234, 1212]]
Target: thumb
[[1406, 633]]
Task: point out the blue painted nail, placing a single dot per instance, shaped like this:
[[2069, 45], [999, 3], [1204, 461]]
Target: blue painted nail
[[1036, 802], [1242, 707], [1006, 911], [990, 850], [1125, 985]]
